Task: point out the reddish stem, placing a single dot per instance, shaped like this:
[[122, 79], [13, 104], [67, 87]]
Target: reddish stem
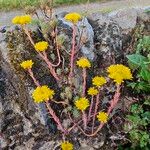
[[95, 111], [52, 71], [51, 111], [90, 110], [84, 82], [113, 103], [93, 134], [59, 60], [33, 78], [44, 56], [75, 124], [60, 102], [72, 52], [84, 118], [58, 52], [28, 34], [115, 100], [56, 119]]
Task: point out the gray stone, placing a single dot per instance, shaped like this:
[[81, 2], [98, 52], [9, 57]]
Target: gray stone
[[107, 38], [22, 122], [84, 33], [19, 121], [126, 18]]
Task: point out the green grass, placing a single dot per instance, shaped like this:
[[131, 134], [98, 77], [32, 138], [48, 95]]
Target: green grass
[[106, 10], [19, 4], [13, 4], [73, 1]]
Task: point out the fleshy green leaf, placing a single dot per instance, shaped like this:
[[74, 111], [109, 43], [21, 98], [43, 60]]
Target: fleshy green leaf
[[147, 102], [137, 59], [146, 115], [145, 74]]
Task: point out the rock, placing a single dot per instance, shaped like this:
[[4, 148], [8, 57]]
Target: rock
[[112, 33], [87, 39], [126, 18], [84, 33], [20, 121], [85, 145], [25, 125], [99, 18], [107, 39], [48, 145]]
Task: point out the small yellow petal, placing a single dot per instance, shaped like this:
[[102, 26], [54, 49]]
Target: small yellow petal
[[73, 17], [82, 103], [98, 81], [27, 64], [83, 63], [41, 46], [92, 91], [25, 19], [42, 93], [102, 117], [119, 73], [66, 146]]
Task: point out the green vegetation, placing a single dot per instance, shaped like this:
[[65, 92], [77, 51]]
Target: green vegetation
[[140, 62], [106, 10], [72, 1], [138, 120], [137, 125], [79, 103], [18, 4], [13, 4]]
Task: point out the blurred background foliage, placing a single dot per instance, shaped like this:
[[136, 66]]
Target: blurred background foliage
[[19, 4]]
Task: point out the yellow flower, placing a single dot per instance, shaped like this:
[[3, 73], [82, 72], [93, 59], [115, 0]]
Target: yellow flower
[[66, 145], [119, 73], [102, 117], [82, 103], [73, 17], [92, 91], [15, 20], [84, 63], [98, 81], [27, 64], [41, 46], [42, 93], [21, 19]]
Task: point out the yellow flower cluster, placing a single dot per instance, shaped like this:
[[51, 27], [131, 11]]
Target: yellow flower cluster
[[98, 81], [66, 146], [73, 17], [102, 117], [21, 19], [27, 64], [119, 73], [82, 103], [83, 63], [42, 93], [92, 91], [41, 46]]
